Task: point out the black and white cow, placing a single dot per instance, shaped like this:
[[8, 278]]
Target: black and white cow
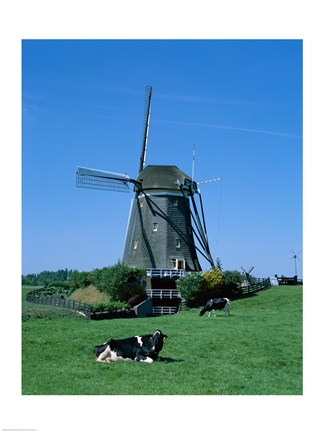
[[216, 304], [139, 348]]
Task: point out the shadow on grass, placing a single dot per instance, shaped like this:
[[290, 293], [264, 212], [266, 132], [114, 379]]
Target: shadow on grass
[[170, 360]]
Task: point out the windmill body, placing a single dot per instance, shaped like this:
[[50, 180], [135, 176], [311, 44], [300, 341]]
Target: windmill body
[[295, 257], [247, 276], [159, 232]]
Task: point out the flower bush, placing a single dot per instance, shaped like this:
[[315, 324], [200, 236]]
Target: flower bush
[[198, 288]]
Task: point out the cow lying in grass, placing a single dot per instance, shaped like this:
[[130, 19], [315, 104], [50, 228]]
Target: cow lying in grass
[[216, 304], [138, 348]]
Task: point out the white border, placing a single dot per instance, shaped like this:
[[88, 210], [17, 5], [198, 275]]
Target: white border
[[168, 19]]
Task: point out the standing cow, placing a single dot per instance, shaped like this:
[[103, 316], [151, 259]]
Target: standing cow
[[139, 348], [216, 304]]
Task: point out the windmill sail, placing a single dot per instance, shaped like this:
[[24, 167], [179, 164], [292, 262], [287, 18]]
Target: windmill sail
[[103, 180], [147, 112]]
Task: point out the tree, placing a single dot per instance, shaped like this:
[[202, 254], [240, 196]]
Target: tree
[[232, 277], [80, 279], [197, 288], [213, 284], [47, 277], [120, 281], [189, 287]]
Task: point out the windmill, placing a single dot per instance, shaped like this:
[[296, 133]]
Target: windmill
[[247, 275], [295, 257], [165, 222]]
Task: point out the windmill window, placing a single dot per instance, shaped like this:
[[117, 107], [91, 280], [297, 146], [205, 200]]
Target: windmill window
[[136, 244], [173, 263], [178, 264], [181, 264], [155, 226], [178, 243], [141, 203], [175, 203]]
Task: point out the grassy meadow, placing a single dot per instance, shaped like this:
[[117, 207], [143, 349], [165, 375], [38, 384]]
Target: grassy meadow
[[257, 350]]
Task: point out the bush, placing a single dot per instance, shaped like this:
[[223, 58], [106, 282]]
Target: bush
[[189, 287], [59, 284], [212, 285], [109, 307], [80, 280], [197, 288], [120, 281], [232, 277]]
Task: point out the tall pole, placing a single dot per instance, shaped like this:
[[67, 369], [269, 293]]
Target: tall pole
[[295, 264], [193, 162]]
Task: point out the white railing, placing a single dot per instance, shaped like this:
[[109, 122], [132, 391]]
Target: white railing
[[164, 310], [163, 293], [165, 273]]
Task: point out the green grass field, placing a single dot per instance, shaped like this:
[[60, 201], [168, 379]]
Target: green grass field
[[257, 350]]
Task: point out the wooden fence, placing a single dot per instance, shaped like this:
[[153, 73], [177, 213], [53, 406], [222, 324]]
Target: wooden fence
[[258, 285], [59, 300]]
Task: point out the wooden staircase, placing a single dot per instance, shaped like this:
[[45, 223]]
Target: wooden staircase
[[162, 290], [165, 301]]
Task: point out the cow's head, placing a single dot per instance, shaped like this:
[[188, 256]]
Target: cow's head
[[98, 349], [157, 342], [202, 311]]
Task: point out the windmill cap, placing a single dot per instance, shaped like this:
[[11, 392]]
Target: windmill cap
[[162, 177]]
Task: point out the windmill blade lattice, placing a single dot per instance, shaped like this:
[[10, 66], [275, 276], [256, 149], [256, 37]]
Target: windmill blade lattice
[[295, 256], [104, 180]]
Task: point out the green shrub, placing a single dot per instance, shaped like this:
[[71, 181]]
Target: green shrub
[[212, 286], [232, 284], [198, 288], [232, 277], [189, 287], [58, 284], [56, 288], [109, 307], [120, 281], [80, 279]]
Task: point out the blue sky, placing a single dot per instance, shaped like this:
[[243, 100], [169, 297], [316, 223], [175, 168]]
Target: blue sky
[[239, 102]]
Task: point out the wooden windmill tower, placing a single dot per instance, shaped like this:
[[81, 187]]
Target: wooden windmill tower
[[166, 228]]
